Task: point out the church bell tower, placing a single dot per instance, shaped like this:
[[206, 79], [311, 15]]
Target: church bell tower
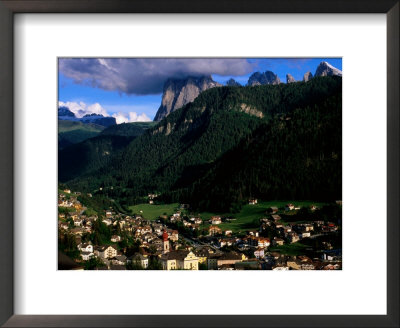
[[165, 242]]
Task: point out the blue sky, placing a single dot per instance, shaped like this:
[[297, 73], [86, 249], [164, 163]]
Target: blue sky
[[130, 89]]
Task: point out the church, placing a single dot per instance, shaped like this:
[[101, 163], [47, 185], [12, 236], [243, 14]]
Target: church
[[177, 260]]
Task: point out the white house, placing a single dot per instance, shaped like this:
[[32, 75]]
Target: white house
[[289, 207], [64, 225], [78, 222], [87, 247], [107, 222], [305, 234], [106, 252], [216, 220], [86, 256], [115, 238]]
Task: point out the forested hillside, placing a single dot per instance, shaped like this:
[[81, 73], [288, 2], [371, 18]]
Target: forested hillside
[[134, 129], [269, 141]]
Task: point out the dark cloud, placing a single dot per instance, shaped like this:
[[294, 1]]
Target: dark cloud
[[145, 76]]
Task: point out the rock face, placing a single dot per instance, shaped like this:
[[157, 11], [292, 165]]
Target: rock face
[[179, 92], [307, 76], [267, 77], [290, 78], [326, 69], [232, 83]]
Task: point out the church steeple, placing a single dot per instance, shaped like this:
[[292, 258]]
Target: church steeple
[[165, 242]]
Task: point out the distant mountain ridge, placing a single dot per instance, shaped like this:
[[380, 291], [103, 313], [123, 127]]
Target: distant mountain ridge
[[65, 114], [73, 132]]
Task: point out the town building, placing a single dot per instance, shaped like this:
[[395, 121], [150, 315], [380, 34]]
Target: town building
[[180, 260]]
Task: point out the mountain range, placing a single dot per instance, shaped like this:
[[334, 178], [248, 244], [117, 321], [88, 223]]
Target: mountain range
[[179, 92], [270, 141], [64, 114]]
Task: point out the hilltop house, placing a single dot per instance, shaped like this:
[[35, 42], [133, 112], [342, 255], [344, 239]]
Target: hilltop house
[[115, 238], [216, 220], [214, 230], [273, 209], [196, 220], [276, 217], [289, 207]]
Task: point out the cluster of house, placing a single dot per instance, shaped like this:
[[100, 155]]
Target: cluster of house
[[176, 252]]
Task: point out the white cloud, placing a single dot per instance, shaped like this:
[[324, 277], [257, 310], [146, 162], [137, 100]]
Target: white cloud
[[142, 76], [130, 117]]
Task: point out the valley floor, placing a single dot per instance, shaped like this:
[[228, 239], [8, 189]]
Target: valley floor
[[269, 235]]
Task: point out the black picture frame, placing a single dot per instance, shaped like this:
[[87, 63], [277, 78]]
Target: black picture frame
[[10, 7]]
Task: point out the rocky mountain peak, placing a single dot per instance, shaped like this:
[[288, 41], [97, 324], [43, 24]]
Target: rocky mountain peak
[[326, 69], [267, 77], [65, 112], [307, 76], [232, 83], [290, 78], [179, 92]]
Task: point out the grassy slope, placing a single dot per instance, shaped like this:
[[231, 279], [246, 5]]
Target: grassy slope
[[70, 132], [290, 249], [152, 212], [248, 217], [133, 129], [67, 126]]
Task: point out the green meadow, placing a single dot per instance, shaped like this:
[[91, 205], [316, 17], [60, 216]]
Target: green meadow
[[152, 211], [249, 216], [247, 219], [290, 249]]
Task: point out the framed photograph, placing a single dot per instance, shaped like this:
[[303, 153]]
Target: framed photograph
[[205, 164]]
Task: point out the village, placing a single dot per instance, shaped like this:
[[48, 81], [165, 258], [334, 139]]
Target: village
[[182, 241]]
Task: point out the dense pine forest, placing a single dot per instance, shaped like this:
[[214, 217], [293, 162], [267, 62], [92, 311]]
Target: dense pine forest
[[270, 142]]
